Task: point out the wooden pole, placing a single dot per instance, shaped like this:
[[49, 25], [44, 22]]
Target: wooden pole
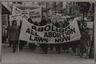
[[0, 31], [55, 8], [18, 45], [94, 33]]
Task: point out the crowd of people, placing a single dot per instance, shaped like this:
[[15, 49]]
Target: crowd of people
[[81, 46]]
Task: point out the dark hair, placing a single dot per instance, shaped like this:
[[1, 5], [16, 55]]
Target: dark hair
[[60, 22], [13, 22]]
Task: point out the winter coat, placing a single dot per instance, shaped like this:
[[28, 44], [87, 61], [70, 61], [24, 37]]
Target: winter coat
[[13, 33]]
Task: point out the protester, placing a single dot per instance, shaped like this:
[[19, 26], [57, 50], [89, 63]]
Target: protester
[[85, 43], [32, 46], [64, 46], [21, 42], [45, 20], [61, 46], [13, 35], [58, 45]]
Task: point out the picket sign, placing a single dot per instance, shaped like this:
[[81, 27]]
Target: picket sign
[[17, 14]]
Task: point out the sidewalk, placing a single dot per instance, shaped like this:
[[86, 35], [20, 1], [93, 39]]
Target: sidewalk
[[35, 57]]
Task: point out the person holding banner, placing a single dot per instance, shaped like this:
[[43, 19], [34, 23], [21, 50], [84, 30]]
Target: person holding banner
[[65, 46], [45, 20], [13, 35], [58, 45], [21, 42]]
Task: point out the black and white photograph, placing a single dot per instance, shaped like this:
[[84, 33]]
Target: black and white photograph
[[48, 32]]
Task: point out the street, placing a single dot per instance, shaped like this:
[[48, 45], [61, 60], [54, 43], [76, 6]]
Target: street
[[66, 24], [36, 57]]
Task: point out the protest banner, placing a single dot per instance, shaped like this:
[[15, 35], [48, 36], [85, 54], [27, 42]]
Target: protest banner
[[35, 14], [18, 14], [16, 11], [49, 33]]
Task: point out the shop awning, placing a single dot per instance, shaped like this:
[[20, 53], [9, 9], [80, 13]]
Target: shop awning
[[5, 8]]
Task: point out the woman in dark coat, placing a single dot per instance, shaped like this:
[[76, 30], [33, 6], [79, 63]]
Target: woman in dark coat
[[13, 34]]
